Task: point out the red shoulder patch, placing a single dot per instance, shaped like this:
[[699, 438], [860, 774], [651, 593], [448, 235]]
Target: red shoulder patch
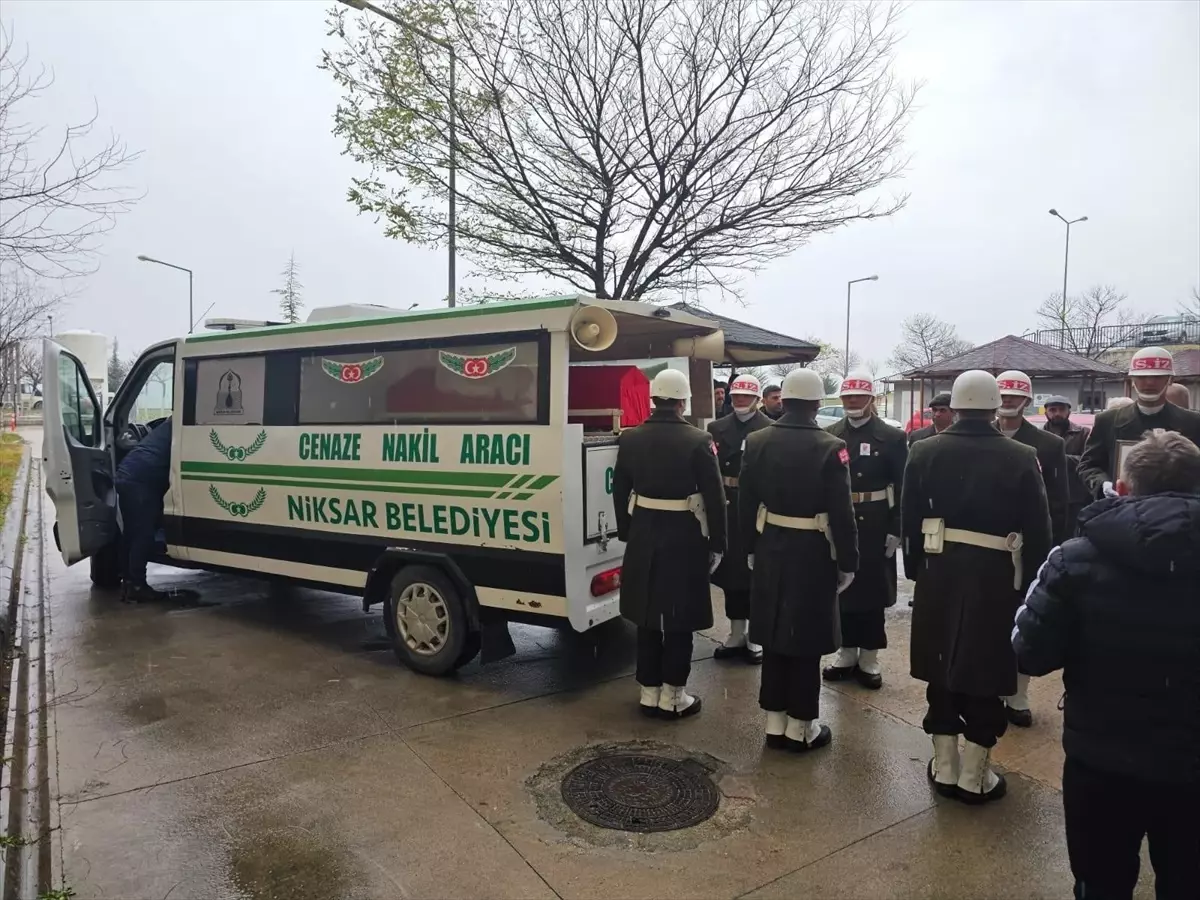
[[844, 456], [712, 445]]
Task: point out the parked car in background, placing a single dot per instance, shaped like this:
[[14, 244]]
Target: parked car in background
[[830, 415], [1161, 330]]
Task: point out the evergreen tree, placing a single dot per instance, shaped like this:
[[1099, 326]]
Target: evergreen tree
[[290, 303]]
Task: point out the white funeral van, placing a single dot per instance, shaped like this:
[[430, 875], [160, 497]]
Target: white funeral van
[[431, 461]]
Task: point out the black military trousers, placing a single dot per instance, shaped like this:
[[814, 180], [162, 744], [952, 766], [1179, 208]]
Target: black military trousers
[[1107, 817], [864, 629], [663, 657], [791, 684], [981, 720], [737, 604]]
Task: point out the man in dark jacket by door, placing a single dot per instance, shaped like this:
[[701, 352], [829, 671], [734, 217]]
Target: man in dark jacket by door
[[798, 527], [878, 453], [732, 576], [142, 480], [670, 510], [1118, 610], [976, 527], [1058, 422]]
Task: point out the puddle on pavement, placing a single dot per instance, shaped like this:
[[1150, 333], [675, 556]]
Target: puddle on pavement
[[287, 864]]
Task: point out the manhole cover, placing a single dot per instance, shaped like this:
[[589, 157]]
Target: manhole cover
[[640, 793]]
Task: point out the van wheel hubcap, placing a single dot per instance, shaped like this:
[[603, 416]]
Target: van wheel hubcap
[[423, 619]]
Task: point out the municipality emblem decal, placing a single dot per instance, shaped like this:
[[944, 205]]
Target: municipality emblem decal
[[229, 395], [238, 510], [477, 366], [352, 373], [237, 454]]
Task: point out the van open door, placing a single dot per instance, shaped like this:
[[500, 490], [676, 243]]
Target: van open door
[[76, 465]]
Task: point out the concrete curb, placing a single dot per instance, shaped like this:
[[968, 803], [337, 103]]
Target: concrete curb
[[10, 539]]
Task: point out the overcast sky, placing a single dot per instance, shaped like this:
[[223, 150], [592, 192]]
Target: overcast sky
[[1093, 108]]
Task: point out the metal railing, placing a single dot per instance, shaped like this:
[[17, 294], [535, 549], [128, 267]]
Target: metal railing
[[1092, 342]]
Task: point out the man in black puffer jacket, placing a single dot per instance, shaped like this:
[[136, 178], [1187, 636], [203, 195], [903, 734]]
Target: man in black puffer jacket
[[1118, 609]]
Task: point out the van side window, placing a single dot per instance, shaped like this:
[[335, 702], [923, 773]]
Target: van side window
[[229, 390], [79, 413], [156, 398], [495, 383]]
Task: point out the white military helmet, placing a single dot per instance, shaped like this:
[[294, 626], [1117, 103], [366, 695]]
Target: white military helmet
[[1152, 361], [857, 384], [1016, 383], [671, 384], [975, 389], [802, 384], [745, 384]]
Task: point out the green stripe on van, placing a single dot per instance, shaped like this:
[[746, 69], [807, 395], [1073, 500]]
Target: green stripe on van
[[348, 473], [481, 494], [484, 309]]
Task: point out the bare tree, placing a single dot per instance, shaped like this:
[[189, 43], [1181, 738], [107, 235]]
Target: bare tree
[[925, 339], [57, 196], [25, 308], [290, 303], [31, 363], [1088, 324], [830, 364], [1191, 306], [630, 148]]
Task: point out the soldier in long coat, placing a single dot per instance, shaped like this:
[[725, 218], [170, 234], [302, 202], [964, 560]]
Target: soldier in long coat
[[976, 529], [670, 510], [797, 522], [1016, 393], [1115, 430], [1074, 437], [878, 453], [732, 576]]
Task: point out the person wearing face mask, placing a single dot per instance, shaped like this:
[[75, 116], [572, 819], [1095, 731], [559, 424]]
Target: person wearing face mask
[[878, 453], [732, 576], [976, 528], [1016, 393], [797, 524], [1058, 422], [1117, 430]]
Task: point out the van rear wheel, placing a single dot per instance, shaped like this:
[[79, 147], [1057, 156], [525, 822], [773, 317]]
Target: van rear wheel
[[430, 631]]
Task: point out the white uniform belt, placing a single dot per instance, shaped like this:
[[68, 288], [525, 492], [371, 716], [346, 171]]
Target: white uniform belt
[[819, 522], [870, 496], [936, 534], [693, 504], [730, 481], [796, 523]]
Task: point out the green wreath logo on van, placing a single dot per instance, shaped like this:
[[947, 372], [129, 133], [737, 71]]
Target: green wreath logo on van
[[237, 454], [238, 510]]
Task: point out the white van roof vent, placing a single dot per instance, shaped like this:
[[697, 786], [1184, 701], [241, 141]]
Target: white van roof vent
[[238, 324], [351, 311]]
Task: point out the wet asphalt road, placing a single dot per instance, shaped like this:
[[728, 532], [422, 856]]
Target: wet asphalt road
[[248, 745]]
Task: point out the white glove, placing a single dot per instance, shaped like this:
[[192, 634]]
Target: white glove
[[1109, 490], [844, 579], [714, 561], [750, 562], [892, 545]]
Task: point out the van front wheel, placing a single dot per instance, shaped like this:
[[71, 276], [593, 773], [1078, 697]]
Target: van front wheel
[[429, 622]]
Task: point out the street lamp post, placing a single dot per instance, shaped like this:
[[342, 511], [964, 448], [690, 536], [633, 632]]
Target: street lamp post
[[846, 359], [150, 259], [451, 212], [1067, 249]]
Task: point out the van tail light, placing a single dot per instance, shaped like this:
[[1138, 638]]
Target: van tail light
[[606, 582]]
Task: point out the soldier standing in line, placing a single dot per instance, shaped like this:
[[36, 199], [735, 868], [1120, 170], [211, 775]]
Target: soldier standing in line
[[976, 529], [1016, 393], [878, 453], [670, 510], [732, 576], [1058, 422], [797, 522], [939, 411], [1119, 428]]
